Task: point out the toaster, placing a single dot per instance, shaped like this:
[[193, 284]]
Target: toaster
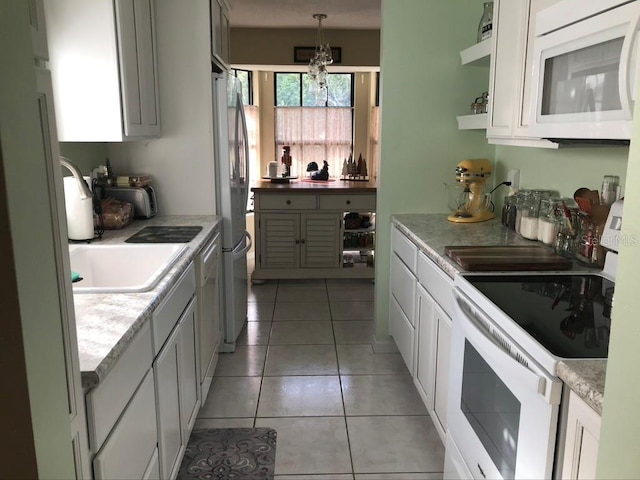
[[143, 199]]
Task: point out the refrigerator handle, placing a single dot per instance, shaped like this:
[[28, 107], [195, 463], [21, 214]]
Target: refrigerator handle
[[245, 135], [243, 247]]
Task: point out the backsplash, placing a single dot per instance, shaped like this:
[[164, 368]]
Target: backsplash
[[564, 170], [86, 156]]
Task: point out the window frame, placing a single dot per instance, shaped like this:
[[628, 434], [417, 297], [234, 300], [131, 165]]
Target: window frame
[[300, 93], [249, 73]]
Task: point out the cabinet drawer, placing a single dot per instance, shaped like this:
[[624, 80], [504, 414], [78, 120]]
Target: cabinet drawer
[[402, 332], [131, 445], [287, 202], [168, 312], [106, 402], [403, 287], [404, 248], [348, 202], [436, 282]]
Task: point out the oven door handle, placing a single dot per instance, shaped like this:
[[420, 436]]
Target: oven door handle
[[495, 346]]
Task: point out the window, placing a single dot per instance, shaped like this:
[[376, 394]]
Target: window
[[245, 77], [316, 129]]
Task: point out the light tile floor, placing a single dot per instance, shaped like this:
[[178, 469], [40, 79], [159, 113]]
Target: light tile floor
[[305, 367]]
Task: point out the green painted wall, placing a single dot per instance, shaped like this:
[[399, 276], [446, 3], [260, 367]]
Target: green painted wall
[[86, 156], [618, 456], [423, 88]]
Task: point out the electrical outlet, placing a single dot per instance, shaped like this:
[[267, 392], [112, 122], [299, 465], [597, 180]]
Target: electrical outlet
[[514, 177]]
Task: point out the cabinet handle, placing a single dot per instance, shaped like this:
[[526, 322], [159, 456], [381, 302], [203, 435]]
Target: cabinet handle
[[297, 242], [288, 202], [302, 241], [348, 202]]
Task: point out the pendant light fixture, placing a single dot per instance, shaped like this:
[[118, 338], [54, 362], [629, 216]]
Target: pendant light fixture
[[322, 58]]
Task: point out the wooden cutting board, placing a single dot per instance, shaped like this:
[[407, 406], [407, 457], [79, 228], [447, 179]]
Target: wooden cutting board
[[507, 258]]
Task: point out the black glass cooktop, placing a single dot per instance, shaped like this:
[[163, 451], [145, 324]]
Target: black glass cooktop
[[165, 234], [570, 315]]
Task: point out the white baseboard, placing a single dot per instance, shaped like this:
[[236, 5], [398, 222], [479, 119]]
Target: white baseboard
[[383, 346]]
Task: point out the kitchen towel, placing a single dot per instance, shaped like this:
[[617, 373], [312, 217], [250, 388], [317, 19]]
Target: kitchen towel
[[230, 453]]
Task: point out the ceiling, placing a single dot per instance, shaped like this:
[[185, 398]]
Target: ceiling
[[341, 14]]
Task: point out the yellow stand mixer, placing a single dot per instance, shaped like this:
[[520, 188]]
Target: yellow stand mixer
[[472, 204]]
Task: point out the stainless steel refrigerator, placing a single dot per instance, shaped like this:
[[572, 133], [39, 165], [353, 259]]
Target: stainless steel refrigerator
[[232, 191]]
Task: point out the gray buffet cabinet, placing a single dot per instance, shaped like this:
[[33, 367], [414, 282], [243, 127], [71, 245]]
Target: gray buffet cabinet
[[304, 230]]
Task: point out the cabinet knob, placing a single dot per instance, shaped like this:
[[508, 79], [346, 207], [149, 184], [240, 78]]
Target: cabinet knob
[[288, 202], [348, 202], [302, 241], [297, 242]]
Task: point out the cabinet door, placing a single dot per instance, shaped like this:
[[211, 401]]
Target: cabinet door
[[320, 240], [165, 371], [38, 29], [581, 441], [507, 65], [279, 240], [137, 67], [132, 442], [225, 32], [188, 374], [426, 348], [442, 365]]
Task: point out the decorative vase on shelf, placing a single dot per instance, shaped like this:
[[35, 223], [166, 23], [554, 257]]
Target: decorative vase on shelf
[[486, 22]]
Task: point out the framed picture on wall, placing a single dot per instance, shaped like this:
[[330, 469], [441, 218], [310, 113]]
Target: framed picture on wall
[[305, 54]]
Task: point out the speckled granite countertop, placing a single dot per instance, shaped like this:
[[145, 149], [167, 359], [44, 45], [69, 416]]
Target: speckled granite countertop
[[106, 323], [432, 232]]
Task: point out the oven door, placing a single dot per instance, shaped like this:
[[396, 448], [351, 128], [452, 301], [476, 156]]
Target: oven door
[[503, 407], [584, 76]]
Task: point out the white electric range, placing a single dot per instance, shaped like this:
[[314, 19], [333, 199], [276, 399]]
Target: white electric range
[[510, 330]]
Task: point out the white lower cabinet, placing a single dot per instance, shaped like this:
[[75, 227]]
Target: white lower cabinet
[[419, 301], [443, 348], [176, 392], [427, 327], [432, 365], [581, 440], [131, 446]]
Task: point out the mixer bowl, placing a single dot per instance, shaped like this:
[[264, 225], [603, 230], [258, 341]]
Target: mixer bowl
[[463, 203]]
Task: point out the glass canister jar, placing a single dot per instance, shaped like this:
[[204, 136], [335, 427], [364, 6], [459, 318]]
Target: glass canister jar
[[509, 212], [549, 221], [527, 212]]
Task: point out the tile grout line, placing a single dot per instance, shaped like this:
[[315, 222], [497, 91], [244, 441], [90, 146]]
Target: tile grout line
[[266, 355], [344, 408]]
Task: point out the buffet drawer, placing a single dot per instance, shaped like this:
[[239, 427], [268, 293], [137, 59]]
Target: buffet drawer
[[287, 201], [352, 202]]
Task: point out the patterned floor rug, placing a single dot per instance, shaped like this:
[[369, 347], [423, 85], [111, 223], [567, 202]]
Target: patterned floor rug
[[230, 454]]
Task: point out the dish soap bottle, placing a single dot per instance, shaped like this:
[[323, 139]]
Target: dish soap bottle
[[486, 22]]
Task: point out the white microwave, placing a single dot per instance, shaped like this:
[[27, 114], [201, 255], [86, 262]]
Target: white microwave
[[584, 71]]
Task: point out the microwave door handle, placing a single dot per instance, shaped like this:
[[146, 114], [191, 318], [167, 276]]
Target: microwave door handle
[[625, 82], [545, 385]]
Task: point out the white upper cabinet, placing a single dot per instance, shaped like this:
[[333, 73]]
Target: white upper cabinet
[[510, 73], [220, 32], [38, 29], [103, 63]]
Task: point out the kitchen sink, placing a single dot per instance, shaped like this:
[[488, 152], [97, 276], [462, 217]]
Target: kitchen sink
[[121, 268]]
